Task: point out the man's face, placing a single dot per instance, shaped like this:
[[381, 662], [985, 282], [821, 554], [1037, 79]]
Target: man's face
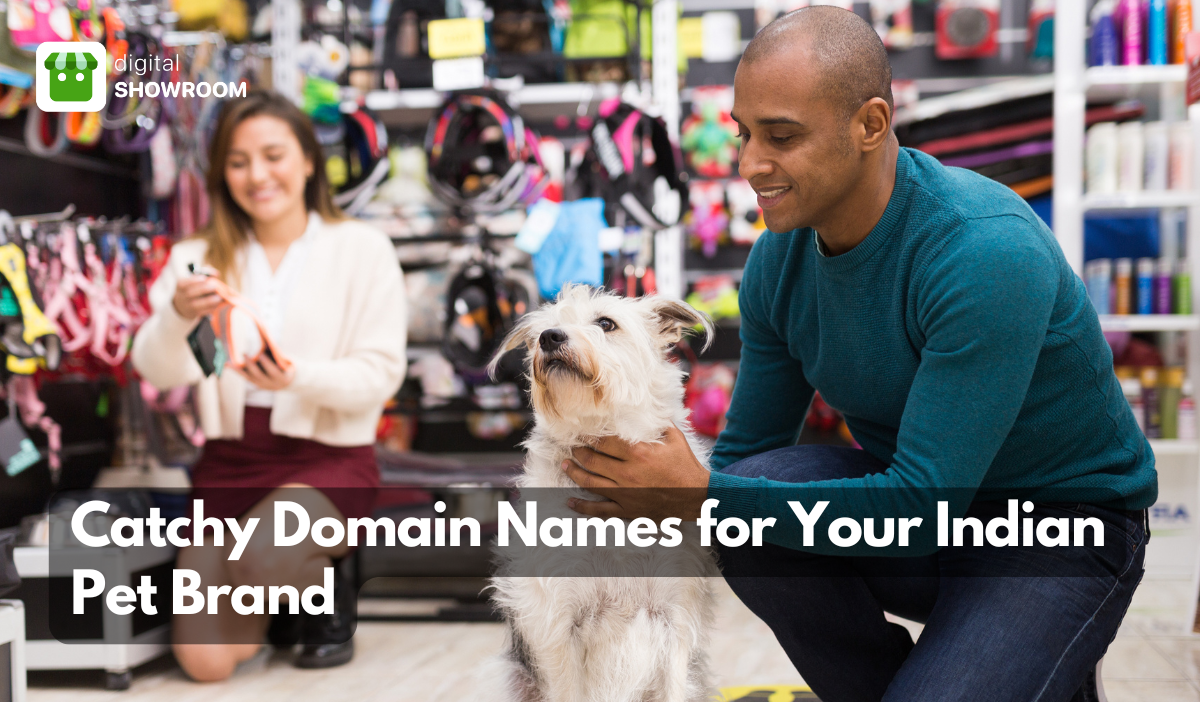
[[797, 150]]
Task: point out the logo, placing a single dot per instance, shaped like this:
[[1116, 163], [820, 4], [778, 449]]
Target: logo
[[70, 76]]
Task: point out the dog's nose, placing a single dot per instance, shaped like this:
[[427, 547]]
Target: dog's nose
[[552, 339]]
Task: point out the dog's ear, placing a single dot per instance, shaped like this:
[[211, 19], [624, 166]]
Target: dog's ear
[[520, 335], [676, 319]]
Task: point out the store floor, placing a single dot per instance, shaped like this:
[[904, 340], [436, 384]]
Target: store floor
[[1150, 661]]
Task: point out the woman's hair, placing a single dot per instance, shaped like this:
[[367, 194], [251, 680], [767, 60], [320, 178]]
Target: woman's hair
[[228, 226]]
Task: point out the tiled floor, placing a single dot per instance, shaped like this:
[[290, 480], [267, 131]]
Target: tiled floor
[[1152, 660]]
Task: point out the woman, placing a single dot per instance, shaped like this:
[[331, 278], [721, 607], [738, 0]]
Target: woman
[[330, 295]]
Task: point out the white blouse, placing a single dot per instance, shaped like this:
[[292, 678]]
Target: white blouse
[[270, 292]]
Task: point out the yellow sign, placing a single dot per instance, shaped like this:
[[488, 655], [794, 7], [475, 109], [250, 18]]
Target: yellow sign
[[691, 36], [767, 693], [454, 38]]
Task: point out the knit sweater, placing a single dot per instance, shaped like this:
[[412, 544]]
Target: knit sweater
[[344, 330], [960, 347]]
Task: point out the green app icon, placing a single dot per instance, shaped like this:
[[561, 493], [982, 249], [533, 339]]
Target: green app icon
[[71, 76]]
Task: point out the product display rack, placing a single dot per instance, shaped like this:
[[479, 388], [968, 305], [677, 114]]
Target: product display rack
[[1174, 551]]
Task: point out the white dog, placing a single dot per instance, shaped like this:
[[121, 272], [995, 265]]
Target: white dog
[[598, 367]]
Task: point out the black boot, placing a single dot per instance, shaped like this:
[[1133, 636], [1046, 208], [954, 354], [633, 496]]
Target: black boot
[[329, 638], [284, 631]]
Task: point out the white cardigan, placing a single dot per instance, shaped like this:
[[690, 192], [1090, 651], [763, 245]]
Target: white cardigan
[[344, 330]]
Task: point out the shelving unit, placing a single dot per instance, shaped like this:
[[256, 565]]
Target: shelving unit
[[1174, 553]]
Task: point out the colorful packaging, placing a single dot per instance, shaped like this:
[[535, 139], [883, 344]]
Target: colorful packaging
[[1099, 282], [1102, 158], [1181, 156], [1183, 288], [1131, 156], [1123, 281], [1170, 391], [1145, 286], [1131, 33], [1162, 286], [1152, 425], [1181, 26], [1158, 155], [1156, 33], [1187, 413], [1104, 49]]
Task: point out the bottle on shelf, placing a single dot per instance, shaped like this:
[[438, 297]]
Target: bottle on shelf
[[1170, 391], [1162, 286], [1145, 286], [1123, 282], [1152, 416], [1187, 413], [1131, 387], [1099, 280], [1183, 288]]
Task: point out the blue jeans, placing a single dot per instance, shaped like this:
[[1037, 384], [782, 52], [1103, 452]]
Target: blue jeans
[[1016, 636]]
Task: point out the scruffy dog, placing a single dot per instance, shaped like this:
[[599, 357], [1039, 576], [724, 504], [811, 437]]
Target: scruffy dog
[[598, 366]]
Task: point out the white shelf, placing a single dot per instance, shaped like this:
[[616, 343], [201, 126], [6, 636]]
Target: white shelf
[[1149, 322], [535, 94], [1140, 200], [1174, 447], [1135, 75]]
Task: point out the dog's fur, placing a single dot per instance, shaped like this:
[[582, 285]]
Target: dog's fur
[[602, 638]]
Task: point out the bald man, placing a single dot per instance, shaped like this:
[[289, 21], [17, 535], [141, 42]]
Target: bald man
[[937, 312]]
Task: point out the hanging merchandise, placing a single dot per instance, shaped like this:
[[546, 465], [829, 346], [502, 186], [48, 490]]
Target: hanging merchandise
[[32, 22], [130, 122], [45, 132], [164, 169], [715, 296], [708, 221], [367, 164], [632, 165], [606, 31], [16, 66], [482, 158], [482, 305], [520, 37], [325, 58], [893, 22], [967, 28], [570, 252], [1040, 43], [746, 222], [709, 136]]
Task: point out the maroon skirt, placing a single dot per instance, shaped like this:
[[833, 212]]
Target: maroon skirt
[[233, 476]]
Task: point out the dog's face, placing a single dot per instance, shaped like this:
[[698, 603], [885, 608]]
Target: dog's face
[[593, 353]]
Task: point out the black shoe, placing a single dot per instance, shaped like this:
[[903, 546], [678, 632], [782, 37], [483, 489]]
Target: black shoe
[[329, 638], [284, 631]]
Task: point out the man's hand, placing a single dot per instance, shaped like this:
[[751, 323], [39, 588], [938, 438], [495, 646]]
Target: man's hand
[[615, 469]]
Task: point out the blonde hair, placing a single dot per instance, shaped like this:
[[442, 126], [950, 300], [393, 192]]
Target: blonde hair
[[227, 228]]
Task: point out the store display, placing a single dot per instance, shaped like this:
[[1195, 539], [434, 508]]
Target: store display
[[967, 28], [1160, 287]]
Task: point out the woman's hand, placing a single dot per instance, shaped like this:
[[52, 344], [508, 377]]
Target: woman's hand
[[195, 296], [265, 374]]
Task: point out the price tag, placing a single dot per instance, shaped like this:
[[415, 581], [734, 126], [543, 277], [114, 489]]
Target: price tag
[[722, 36], [458, 74], [691, 36], [453, 38]]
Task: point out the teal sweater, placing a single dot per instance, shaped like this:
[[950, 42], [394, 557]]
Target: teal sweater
[[958, 343]]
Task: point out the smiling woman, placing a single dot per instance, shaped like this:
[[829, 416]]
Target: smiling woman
[[331, 300]]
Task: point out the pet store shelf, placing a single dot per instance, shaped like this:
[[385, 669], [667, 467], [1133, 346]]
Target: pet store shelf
[[1140, 200], [534, 94], [1149, 322], [1135, 75], [1174, 447]]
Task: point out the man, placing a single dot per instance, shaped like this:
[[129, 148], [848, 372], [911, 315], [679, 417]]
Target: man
[[937, 312]]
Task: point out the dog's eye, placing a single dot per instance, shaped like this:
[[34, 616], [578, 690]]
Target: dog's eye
[[606, 324]]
